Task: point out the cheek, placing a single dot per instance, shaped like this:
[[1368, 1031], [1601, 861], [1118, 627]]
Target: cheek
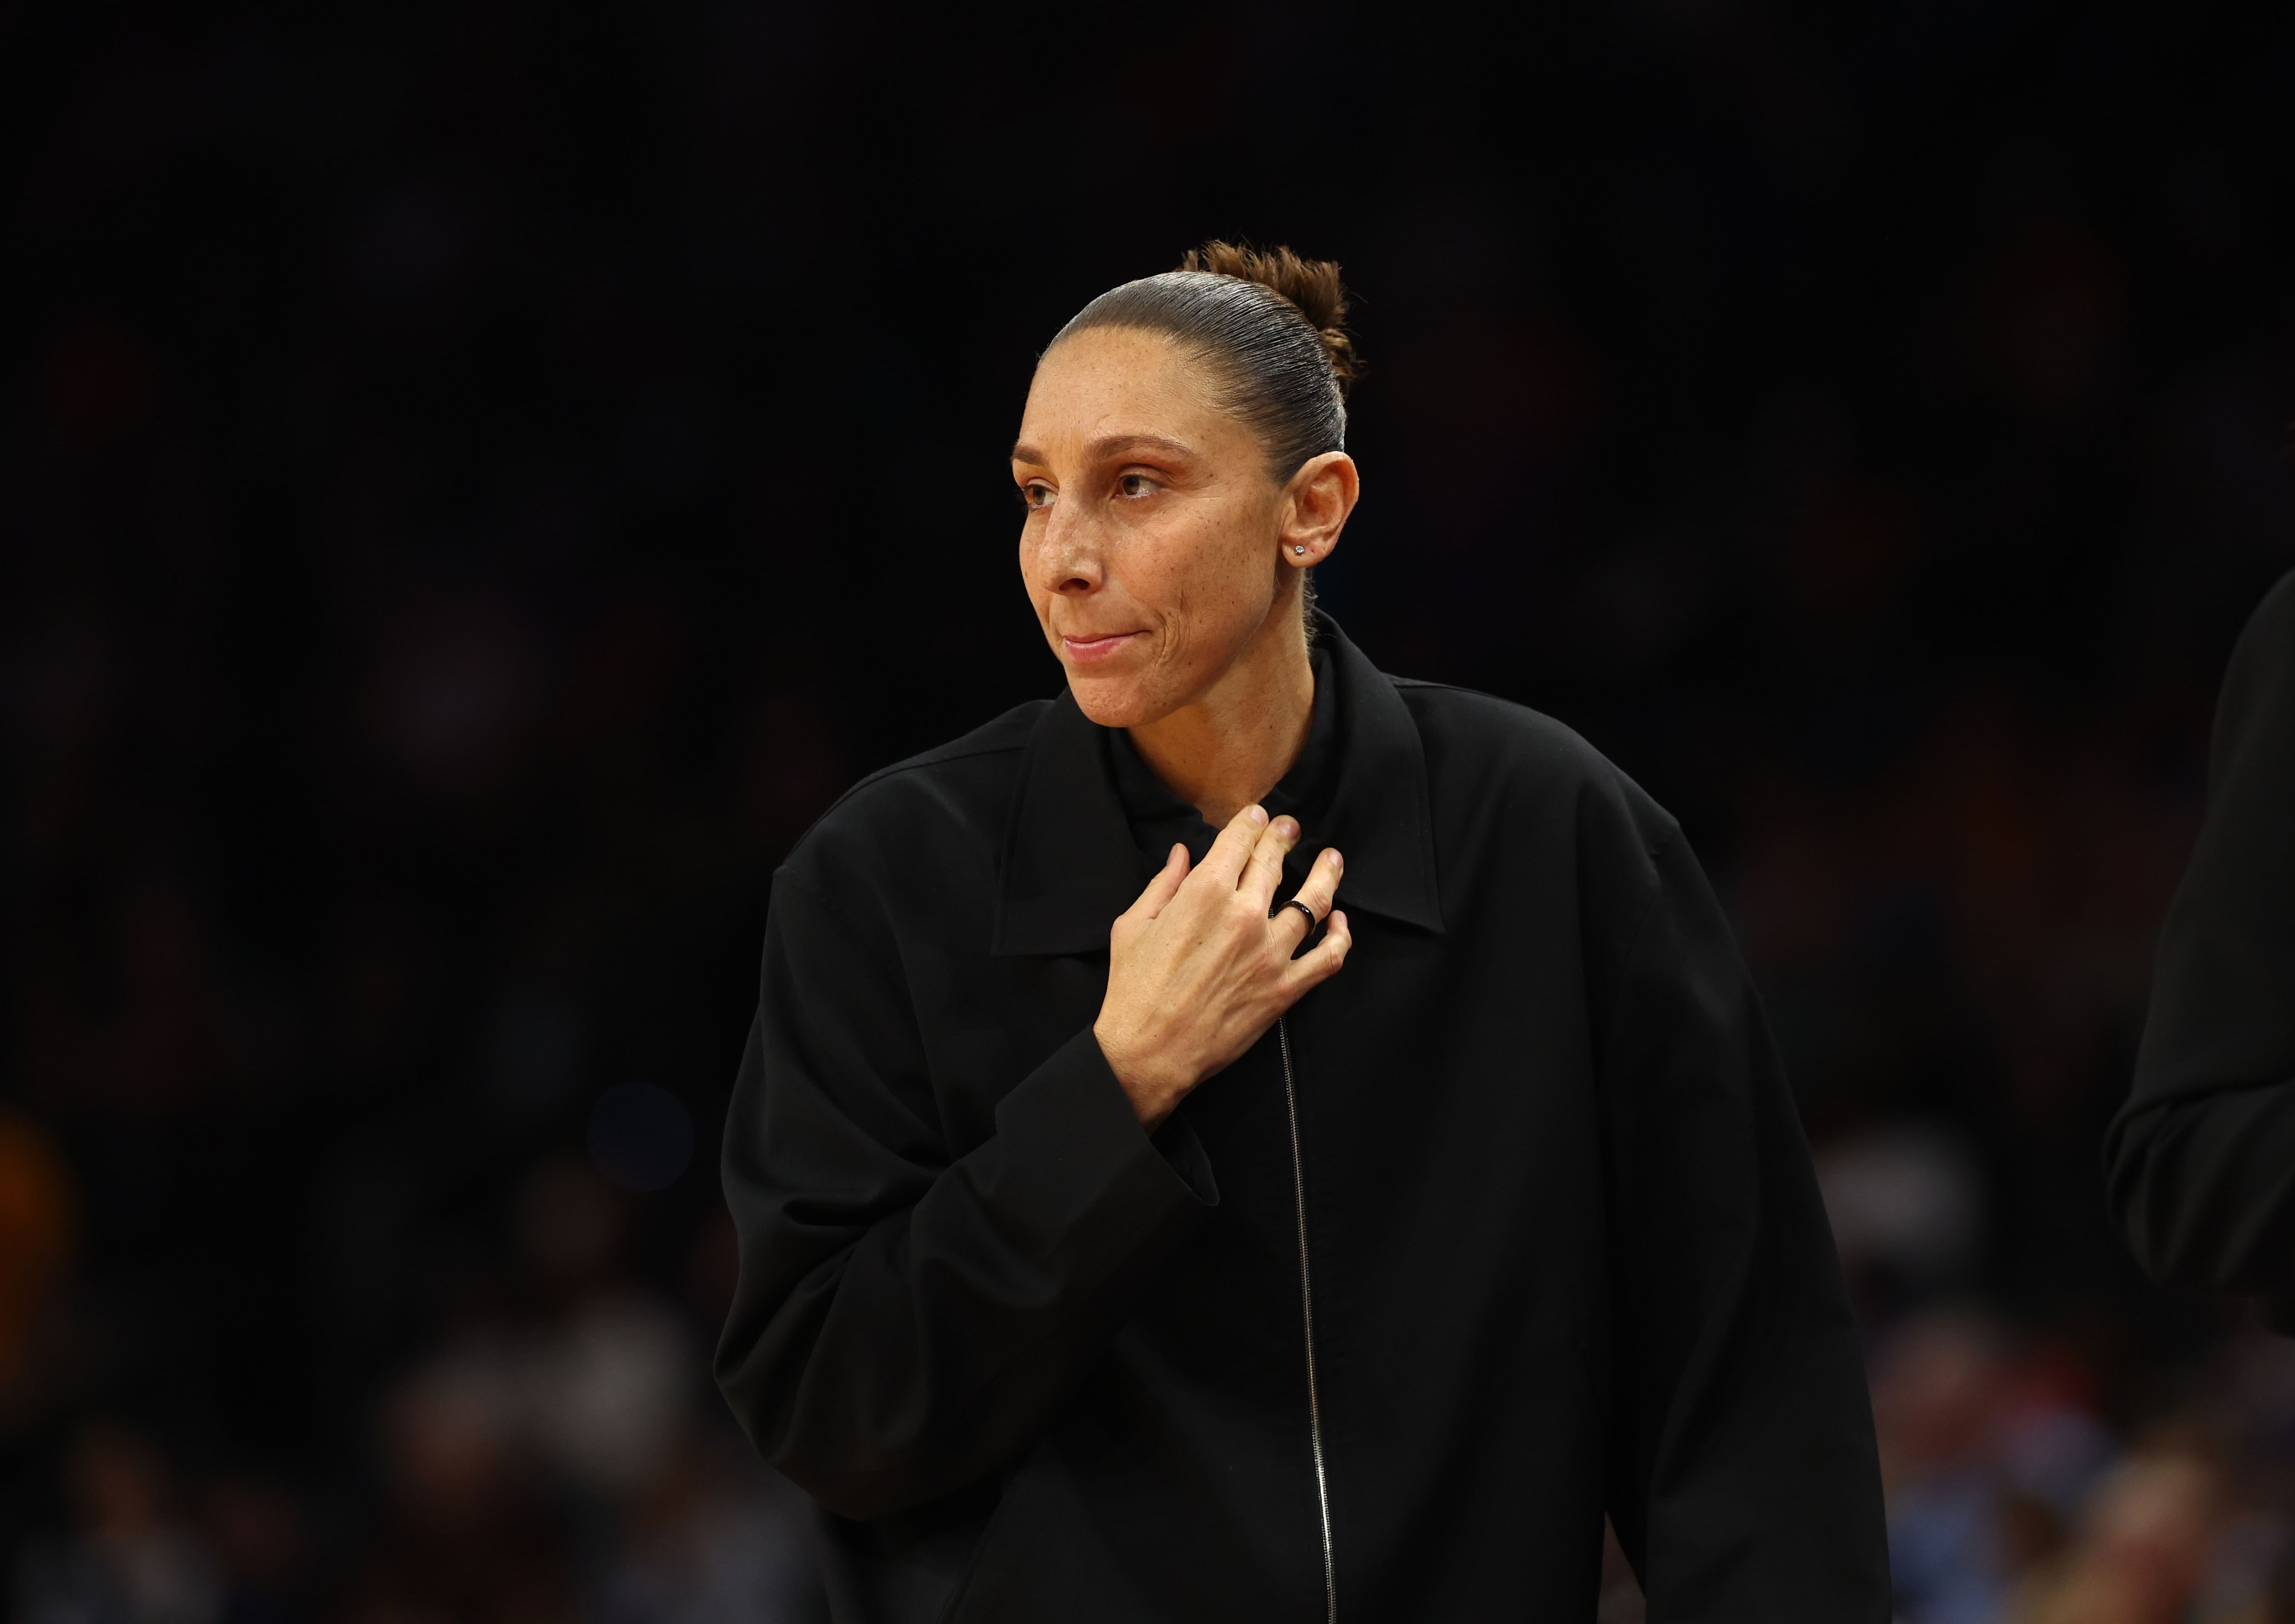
[[1231, 578], [1032, 563], [1205, 590], [1154, 574]]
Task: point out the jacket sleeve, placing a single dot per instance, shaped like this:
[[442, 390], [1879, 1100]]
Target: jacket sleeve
[[907, 1321], [1742, 1477], [2200, 1164]]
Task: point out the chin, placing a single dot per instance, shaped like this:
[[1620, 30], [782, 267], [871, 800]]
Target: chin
[[1116, 701]]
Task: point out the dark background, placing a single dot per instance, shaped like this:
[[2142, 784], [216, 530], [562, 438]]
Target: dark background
[[477, 481]]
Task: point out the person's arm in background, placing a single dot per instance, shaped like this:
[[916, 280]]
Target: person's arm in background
[[2200, 1164], [1742, 1476]]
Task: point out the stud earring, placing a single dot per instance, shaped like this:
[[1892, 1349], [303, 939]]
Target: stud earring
[[1298, 549]]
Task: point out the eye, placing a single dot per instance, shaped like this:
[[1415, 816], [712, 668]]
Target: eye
[[1137, 484], [1035, 494]]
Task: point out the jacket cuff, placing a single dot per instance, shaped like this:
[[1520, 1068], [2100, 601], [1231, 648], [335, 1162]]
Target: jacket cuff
[[1090, 1166], [1176, 1143]]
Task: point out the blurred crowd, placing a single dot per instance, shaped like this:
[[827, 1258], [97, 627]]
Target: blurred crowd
[[476, 482], [553, 1455]]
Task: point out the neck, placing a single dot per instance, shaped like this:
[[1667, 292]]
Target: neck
[[1233, 743]]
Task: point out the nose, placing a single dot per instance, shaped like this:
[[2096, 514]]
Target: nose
[[1071, 554]]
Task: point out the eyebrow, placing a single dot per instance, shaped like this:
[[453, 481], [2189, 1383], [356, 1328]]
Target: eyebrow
[[1109, 444]]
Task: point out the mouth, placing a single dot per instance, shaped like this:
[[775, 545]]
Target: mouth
[[1091, 650]]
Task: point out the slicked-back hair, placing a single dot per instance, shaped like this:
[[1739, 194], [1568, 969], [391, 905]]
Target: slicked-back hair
[[1270, 325]]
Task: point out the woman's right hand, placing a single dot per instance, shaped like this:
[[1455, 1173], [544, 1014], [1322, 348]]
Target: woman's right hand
[[1196, 970]]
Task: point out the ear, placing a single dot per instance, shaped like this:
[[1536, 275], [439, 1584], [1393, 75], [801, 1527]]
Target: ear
[[1316, 504]]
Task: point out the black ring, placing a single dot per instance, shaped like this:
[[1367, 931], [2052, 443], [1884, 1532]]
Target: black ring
[[1302, 906]]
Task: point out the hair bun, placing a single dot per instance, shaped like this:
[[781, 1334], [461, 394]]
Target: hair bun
[[1313, 285]]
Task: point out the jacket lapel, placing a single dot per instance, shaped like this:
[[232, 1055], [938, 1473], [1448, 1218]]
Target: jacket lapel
[[1068, 867], [1380, 817]]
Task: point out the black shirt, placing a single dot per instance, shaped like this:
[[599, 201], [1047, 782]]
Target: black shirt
[[2200, 1162], [1568, 1254]]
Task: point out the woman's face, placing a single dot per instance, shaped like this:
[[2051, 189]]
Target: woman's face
[[1153, 543]]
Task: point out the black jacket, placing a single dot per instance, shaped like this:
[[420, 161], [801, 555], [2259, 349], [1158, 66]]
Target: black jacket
[[2201, 1161], [1566, 1251]]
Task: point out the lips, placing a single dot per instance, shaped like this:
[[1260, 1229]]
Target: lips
[[1088, 650]]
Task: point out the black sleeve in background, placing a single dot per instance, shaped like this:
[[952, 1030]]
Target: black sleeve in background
[[1742, 1477], [2200, 1164], [905, 1323]]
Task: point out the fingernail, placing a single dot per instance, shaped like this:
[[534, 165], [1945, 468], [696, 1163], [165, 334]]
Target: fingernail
[[1257, 814], [1337, 861], [1288, 827]]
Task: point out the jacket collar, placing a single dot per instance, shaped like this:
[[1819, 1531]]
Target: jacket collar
[[1069, 867]]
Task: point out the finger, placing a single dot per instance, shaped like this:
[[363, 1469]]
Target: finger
[[1164, 887], [1232, 847], [1323, 961], [1321, 887], [1264, 872]]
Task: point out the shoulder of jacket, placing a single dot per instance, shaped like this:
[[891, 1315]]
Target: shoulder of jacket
[[1492, 743], [2256, 703], [1007, 734], [938, 773], [2281, 598], [1486, 716], [1504, 732], [2270, 630]]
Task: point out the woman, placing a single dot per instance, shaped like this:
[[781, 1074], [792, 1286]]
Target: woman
[[1129, 1232]]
